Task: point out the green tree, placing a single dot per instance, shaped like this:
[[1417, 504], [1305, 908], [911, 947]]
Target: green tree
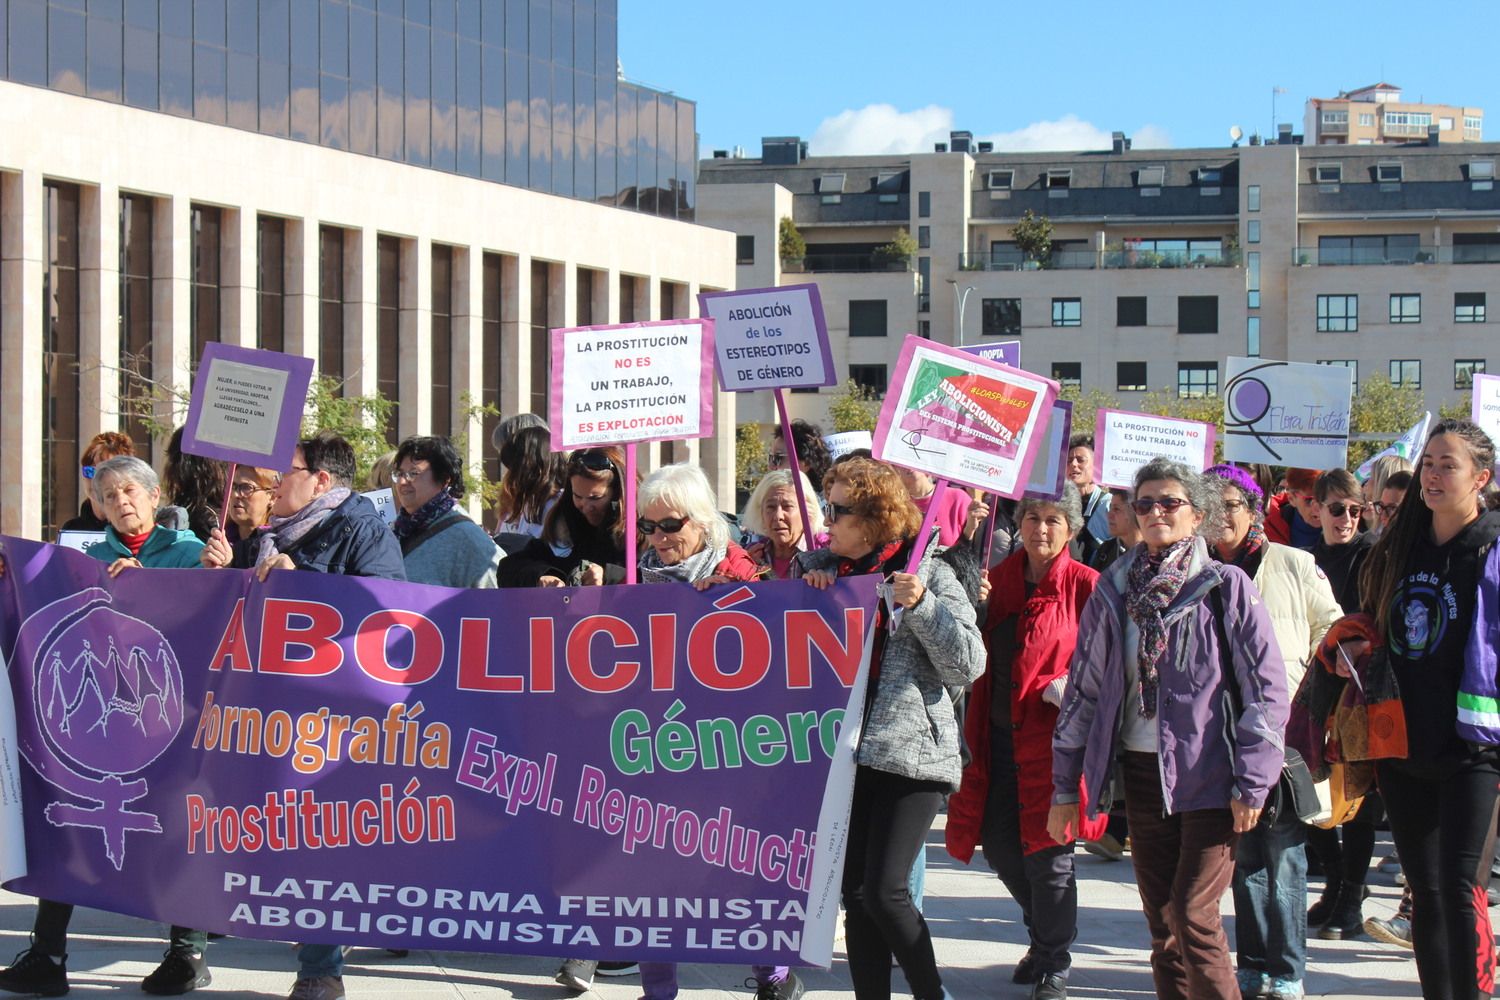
[[900, 250], [1033, 236], [750, 455], [854, 408], [789, 242], [360, 420], [1086, 406], [1381, 413]]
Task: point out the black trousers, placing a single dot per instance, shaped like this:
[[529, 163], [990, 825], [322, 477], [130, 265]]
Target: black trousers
[[1443, 822], [50, 931], [1041, 883], [888, 823], [1348, 862]]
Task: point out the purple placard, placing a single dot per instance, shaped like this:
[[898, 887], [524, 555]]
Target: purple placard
[[770, 338], [1041, 485], [1007, 352], [1124, 441], [963, 418], [399, 741], [247, 406], [632, 382]]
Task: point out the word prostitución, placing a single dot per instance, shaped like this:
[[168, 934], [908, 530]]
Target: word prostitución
[[640, 343], [289, 819], [724, 650]]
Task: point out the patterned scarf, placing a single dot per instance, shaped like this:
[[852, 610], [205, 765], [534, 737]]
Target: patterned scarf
[[412, 525], [1153, 585], [690, 570], [283, 533], [871, 561]]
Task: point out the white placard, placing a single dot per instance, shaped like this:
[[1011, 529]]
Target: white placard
[[1486, 412], [79, 541], [844, 442], [385, 504], [242, 406], [639, 382], [1287, 413], [12, 819], [769, 338], [1124, 441]]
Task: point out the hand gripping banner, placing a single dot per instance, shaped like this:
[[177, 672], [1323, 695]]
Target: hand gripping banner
[[646, 772]]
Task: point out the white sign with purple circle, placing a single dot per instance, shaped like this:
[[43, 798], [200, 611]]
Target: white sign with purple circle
[[1287, 413]]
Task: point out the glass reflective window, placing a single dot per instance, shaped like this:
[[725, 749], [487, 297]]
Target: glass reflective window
[[391, 104], [208, 21], [540, 92], [138, 14], [562, 34], [562, 163], [361, 45], [331, 301], [106, 58], [175, 81], [333, 115], [444, 100], [517, 152], [140, 67], [270, 312], [242, 33], [583, 37], [304, 103], [209, 83], [275, 98], [362, 114], [242, 100], [539, 21], [333, 38], [66, 69], [540, 178], [275, 22]]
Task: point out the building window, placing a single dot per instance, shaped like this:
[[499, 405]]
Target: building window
[[1406, 308], [1210, 176], [831, 187], [1335, 118], [1150, 177], [1473, 123], [744, 249], [1482, 175], [1068, 373], [1196, 379], [388, 324], [1445, 124], [1130, 376], [924, 237], [1000, 317], [872, 377], [1058, 183], [1252, 198], [1067, 312], [1366, 119], [489, 392], [1388, 173], [136, 274], [1197, 314], [331, 301], [1329, 173], [1252, 231], [924, 204], [1353, 367], [1252, 336], [442, 340], [1468, 307], [205, 293], [1130, 310], [1406, 373], [1464, 370], [924, 329], [60, 343], [867, 317], [1338, 313], [1252, 279], [1408, 120], [1001, 180], [888, 188], [270, 304]]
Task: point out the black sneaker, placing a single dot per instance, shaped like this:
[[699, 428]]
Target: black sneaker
[[1050, 986], [179, 972], [37, 974], [790, 988]]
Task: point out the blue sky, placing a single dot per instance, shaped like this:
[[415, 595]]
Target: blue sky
[[877, 76]]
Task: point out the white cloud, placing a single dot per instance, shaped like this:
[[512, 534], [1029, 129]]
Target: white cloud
[[879, 129]]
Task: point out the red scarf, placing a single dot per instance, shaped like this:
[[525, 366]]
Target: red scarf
[[135, 542]]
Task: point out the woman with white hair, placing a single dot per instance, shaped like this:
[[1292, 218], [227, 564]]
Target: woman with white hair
[[128, 491], [772, 520], [688, 538]]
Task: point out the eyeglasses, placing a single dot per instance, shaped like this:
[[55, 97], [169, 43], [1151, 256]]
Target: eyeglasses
[[1168, 505], [250, 489], [1386, 509], [838, 510], [406, 476], [1339, 508], [668, 525], [1235, 506], [88, 472], [777, 460]]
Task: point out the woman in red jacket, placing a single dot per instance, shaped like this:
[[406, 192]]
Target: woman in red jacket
[[1036, 598]]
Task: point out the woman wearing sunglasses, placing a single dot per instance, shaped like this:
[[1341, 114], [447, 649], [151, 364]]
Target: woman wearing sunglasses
[[908, 757], [1189, 704], [583, 536], [1270, 872]]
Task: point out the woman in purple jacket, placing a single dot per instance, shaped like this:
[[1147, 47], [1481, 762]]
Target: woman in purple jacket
[[1195, 728]]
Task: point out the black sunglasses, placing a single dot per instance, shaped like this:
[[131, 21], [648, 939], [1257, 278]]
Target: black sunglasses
[[594, 461], [838, 510], [668, 525], [1339, 508], [1169, 505]]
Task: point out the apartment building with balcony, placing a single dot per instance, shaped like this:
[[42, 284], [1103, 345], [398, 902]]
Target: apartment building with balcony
[[1371, 116], [1163, 262], [410, 193]]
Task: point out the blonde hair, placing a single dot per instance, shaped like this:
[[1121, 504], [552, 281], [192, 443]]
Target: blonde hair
[[380, 472], [753, 519]]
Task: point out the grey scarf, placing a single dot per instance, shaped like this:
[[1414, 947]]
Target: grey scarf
[[692, 569], [283, 533]]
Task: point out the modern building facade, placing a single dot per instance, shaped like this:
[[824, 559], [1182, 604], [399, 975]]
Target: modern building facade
[[1378, 114], [411, 194], [1163, 262]]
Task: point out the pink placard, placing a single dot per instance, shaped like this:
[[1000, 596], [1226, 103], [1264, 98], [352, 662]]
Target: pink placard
[[963, 418], [631, 382], [1124, 441]]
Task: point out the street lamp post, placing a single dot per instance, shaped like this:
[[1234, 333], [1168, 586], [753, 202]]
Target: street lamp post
[[960, 299]]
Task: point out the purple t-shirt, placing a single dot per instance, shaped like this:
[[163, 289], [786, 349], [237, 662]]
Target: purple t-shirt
[[950, 516]]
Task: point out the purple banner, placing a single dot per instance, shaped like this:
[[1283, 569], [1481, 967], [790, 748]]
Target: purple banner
[[1007, 352], [652, 773]]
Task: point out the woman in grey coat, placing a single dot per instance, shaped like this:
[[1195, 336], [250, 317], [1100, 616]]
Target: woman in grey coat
[[908, 758]]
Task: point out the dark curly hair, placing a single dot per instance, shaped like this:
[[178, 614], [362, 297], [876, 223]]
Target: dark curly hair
[[812, 454], [193, 482], [442, 460]]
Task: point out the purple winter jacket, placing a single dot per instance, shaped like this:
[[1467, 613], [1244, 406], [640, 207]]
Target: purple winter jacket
[[1205, 757], [1479, 688]]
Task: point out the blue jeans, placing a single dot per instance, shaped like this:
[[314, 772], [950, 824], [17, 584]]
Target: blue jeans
[[320, 960], [1270, 899]]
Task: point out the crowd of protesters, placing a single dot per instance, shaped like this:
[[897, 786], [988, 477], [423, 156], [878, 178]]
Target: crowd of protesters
[[1117, 666]]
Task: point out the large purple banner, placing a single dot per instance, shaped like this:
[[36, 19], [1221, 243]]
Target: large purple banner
[[645, 772]]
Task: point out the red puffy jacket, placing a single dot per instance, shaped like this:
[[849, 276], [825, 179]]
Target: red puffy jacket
[[1047, 629], [737, 565]]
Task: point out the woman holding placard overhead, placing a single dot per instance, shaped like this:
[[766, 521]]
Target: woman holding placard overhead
[[1177, 685], [908, 757]]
